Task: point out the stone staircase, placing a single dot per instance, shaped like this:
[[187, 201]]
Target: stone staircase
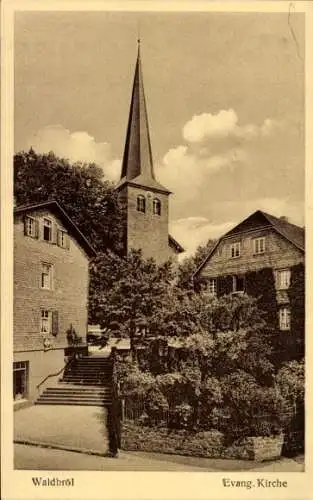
[[86, 382]]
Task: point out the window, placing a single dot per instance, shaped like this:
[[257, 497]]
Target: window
[[47, 230], [46, 322], [238, 284], [141, 204], [259, 245], [212, 286], [284, 318], [20, 380], [235, 249], [46, 276], [31, 227], [283, 279], [156, 206], [63, 240], [49, 324]]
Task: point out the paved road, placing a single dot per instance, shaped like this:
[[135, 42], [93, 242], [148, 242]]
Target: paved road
[[28, 457]]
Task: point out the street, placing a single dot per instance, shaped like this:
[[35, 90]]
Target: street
[[35, 457], [29, 457]]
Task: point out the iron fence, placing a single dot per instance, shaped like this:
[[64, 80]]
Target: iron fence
[[292, 419]]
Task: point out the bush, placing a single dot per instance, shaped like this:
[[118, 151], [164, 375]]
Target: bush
[[252, 409], [156, 406], [211, 397], [181, 417], [136, 384]]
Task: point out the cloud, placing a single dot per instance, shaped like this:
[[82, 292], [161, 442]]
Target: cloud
[[293, 210], [224, 124], [208, 125], [194, 231], [197, 230], [76, 146], [221, 159], [183, 170]]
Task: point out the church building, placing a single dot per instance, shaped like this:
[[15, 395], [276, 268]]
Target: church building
[[145, 200]]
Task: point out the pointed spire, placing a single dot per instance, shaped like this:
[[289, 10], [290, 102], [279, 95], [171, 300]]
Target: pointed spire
[[137, 160]]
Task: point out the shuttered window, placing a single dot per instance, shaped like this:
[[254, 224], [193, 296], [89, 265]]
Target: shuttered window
[[49, 322], [46, 322], [31, 227]]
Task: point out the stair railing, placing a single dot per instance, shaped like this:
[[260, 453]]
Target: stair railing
[[67, 364]]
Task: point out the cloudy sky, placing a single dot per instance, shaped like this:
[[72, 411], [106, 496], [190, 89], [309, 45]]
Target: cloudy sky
[[225, 101]]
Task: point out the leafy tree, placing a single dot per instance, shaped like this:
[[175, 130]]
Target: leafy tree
[[89, 200], [127, 294], [291, 381], [190, 264]]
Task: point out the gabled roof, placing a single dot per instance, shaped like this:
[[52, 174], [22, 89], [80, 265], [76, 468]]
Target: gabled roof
[[294, 234], [137, 165], [56, 208], [172, 242]]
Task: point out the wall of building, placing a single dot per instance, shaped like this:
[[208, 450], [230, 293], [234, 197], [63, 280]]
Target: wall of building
[[279, 253], [40, 364], [70, 287], [147, 231]]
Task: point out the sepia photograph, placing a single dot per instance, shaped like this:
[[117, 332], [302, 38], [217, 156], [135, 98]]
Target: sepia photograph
[[158, 198]]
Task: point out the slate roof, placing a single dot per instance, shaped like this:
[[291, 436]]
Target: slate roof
[[56, 208], [291, 232], [137, 165]]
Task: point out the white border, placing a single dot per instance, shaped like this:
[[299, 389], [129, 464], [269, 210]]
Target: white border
[[133, 485]]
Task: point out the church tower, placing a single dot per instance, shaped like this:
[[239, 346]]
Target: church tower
[[145, 200]]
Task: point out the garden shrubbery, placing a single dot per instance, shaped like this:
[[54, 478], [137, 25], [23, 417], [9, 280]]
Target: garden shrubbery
[[220, 379]]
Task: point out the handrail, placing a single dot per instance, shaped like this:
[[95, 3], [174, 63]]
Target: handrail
[[55, 374]]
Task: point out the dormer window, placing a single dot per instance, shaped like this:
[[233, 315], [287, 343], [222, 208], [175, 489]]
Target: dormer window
[[156, 207], [47, 230], [141, 203]]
